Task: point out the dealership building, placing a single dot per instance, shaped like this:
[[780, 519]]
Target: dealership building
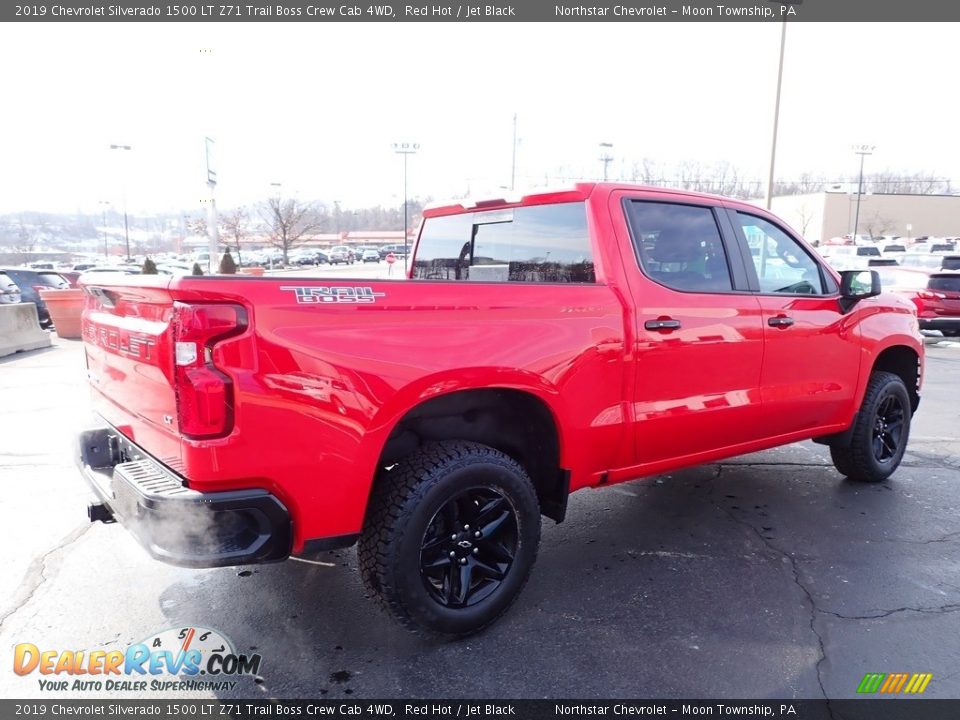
[[821, 216]]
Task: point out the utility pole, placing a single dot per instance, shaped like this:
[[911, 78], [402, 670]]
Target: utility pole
[[605, 157]]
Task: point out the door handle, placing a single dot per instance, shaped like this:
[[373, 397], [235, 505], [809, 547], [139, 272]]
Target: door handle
[[661, 324], [781, 321]]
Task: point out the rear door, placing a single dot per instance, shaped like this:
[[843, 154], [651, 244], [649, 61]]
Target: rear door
[[699, 339], [811, 359]]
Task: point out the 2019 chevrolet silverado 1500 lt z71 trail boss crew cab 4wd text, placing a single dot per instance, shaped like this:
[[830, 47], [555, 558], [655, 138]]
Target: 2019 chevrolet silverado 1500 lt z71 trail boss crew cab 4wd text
[[562, 341]]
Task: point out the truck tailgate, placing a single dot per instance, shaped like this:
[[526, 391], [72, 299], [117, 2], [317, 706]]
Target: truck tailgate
[[129, 353]]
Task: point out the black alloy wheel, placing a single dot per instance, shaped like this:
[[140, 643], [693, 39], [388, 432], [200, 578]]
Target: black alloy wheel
[[469, 547], [888, 428]]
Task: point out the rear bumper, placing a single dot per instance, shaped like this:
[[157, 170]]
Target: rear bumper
[[940, 323], [175, 524]]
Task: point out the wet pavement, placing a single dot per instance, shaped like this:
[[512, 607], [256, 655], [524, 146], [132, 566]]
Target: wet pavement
[[766, 576]]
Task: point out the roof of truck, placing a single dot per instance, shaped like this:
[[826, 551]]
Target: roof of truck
[[546, 196]]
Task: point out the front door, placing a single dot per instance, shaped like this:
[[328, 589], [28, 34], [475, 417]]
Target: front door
[[699, 337], [811, 361]]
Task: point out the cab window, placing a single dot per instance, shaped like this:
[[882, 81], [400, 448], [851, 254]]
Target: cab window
[[679, 246], [783, 266]]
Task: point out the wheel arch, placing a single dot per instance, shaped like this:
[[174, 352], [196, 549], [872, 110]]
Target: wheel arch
[[905, 362], [518, 421]]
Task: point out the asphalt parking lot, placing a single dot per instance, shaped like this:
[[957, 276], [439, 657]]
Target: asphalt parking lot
[[766, 576]]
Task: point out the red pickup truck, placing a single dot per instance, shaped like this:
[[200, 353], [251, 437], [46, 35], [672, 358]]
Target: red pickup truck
[[561, 341]]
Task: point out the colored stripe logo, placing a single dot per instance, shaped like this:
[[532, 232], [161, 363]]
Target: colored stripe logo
[[894, 683]]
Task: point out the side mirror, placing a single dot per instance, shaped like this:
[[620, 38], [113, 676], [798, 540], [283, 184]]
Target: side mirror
[[857, 285]]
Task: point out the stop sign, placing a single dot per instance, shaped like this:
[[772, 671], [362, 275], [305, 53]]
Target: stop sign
[[391, 258]]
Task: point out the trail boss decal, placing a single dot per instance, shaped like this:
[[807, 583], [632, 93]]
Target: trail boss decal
[[314, 295]]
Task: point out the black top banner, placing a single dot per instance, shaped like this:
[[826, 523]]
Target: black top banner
[[486, 11]]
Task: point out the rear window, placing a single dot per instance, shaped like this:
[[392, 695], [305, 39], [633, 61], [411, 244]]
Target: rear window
[[951, 262], [941, 247], [864, 251], [52, 279], [542, 243], [894, 248], [950, 283]]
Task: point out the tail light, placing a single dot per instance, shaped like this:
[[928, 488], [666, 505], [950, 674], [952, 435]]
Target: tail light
[[204, 393], [928, 295]]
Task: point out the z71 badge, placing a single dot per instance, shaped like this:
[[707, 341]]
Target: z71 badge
[[312, 295]]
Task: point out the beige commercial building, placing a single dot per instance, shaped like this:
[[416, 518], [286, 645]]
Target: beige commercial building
[[824, 215]]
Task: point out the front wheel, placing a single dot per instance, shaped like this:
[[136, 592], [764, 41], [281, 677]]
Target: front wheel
[[450, 537], [880, 432]]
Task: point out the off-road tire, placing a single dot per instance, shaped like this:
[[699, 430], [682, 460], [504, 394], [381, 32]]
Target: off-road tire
[[860, 460], [406, 506]]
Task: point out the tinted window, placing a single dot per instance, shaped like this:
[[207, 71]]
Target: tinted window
[[871, 251], [782, 264], [894, 248], [941, 247], [679, 246], [951, 262], [544, 243], [949, 283]]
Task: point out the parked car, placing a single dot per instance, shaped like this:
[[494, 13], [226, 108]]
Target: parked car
[[849, 257], [118, 269], [936, 296], [31, 282], [9, 290], [440, 456], [921, 260], [371, 256], [71, 276], [398, 250], [341, 254]]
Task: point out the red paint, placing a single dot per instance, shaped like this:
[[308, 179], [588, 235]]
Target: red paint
[[316, 386]]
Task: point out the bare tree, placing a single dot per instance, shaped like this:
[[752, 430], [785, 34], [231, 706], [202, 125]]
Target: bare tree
[[288, 221], [805, 216], [235, 226], [878, 225]]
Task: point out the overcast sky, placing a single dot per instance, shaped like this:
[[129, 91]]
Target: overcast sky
[[316, 107]]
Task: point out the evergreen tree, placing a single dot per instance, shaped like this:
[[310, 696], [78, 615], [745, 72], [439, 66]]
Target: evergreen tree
[[227, 264]]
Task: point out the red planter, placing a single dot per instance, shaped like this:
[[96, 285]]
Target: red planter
[[65, 307], [256, 271]]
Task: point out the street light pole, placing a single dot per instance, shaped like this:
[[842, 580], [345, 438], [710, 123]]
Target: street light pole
[[862, 151], [405, 149], [105, 204], [213, 230], [126, 224]]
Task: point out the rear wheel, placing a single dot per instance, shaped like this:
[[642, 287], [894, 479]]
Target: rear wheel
[[450, 537], [880, 433]]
